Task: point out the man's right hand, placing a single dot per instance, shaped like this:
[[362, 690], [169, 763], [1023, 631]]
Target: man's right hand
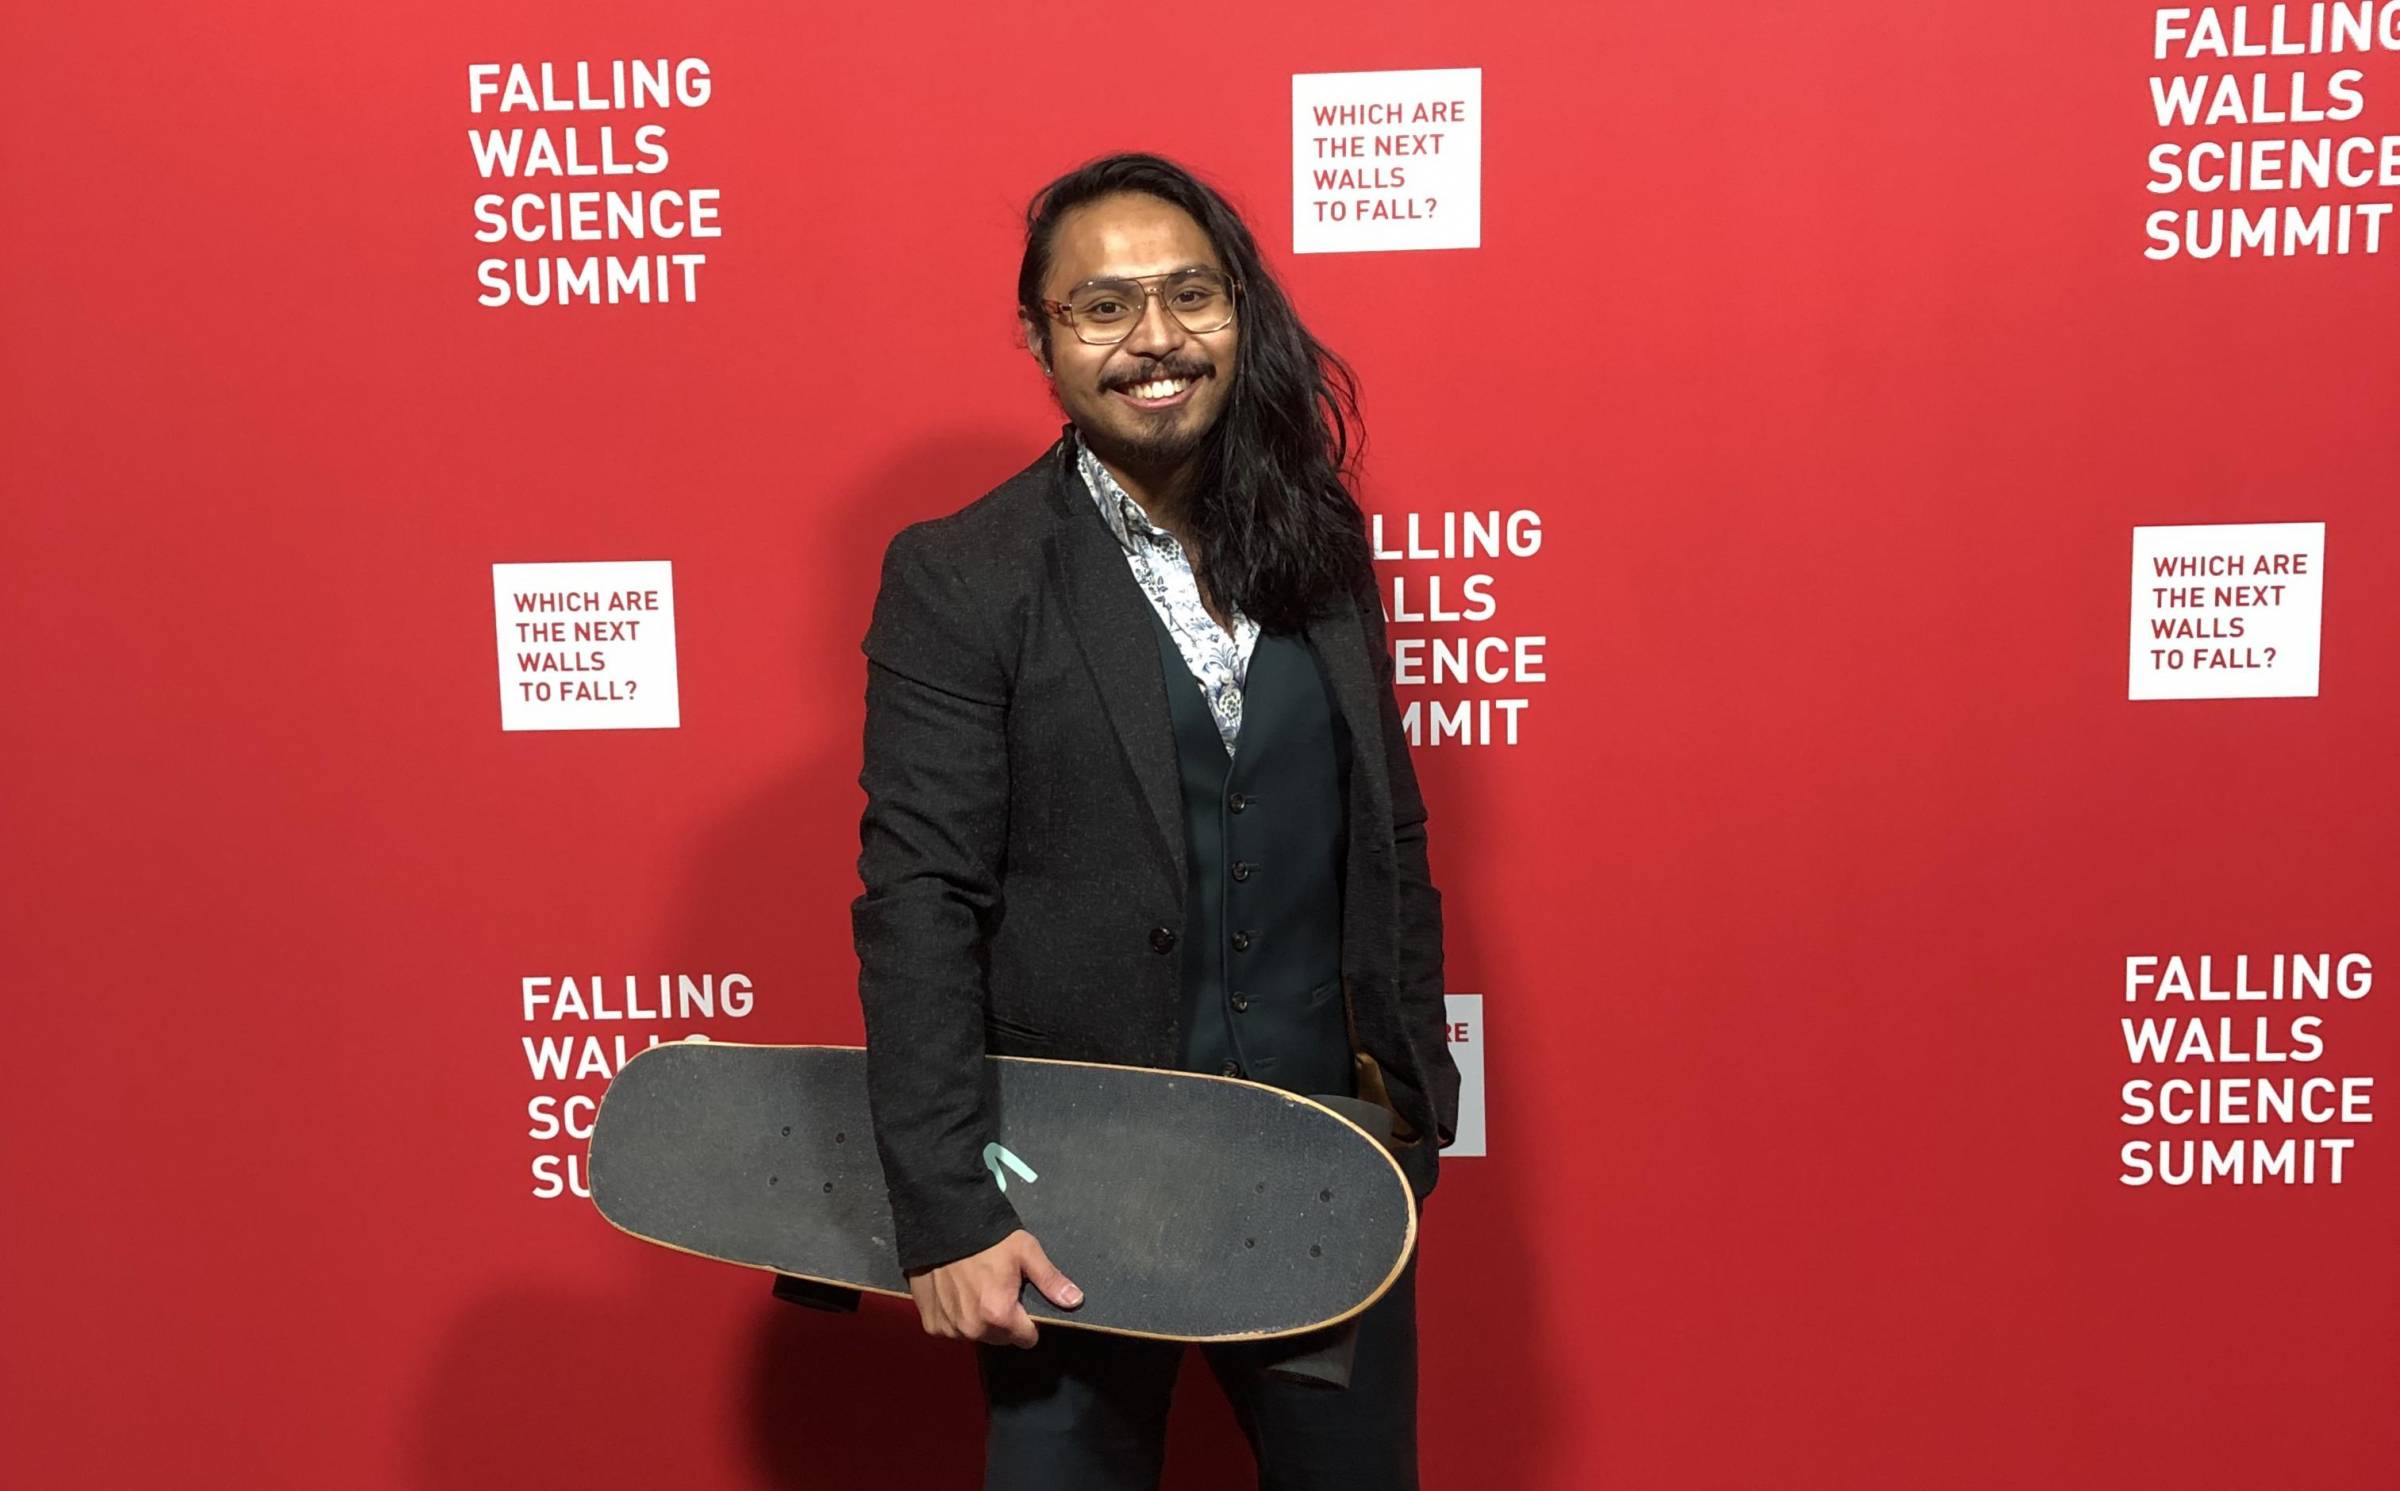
[[975, 1298]]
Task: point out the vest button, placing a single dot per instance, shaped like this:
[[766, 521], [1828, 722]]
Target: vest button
[[1241, 869], [1241, 942], [1233, 1069], [1162, 939], [1237, 802], [1241, 1001]]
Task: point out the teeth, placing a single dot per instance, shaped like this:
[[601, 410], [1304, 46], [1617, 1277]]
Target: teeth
[[1165, 388]]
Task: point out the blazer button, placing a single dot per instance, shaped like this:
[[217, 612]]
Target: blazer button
[[1233, 1069], [1241, 942], [1162, 939], [1237, 802], [1241, 869], [1241, 1001]]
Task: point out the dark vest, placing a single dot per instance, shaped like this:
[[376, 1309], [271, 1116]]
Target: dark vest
[[1262, 952]]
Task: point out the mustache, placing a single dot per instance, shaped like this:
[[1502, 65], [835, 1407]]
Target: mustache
[[1193, 371]]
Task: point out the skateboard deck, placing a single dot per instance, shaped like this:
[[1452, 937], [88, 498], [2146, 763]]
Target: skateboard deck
[[1186, 1206]]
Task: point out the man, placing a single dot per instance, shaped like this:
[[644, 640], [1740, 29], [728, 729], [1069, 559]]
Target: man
[[1138, 793]]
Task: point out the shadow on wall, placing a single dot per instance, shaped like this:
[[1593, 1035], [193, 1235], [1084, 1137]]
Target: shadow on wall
[[871, 1400], [861, 1400]]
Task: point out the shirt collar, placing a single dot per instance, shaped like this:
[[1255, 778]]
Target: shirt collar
[[1118, 510]]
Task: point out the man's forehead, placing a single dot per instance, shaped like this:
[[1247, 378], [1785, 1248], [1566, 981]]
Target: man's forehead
[[1121, 237]]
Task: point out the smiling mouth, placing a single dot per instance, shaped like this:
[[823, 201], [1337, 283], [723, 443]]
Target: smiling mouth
[[1158, 390]]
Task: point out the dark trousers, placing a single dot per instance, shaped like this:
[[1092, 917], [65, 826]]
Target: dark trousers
[[1082, 1411]]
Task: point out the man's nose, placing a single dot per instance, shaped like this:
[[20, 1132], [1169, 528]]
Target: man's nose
[[1157, 332]]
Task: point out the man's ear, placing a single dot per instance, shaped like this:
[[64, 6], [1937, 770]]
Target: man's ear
[[1033, 344]]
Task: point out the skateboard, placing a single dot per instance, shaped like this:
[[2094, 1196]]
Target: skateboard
[[1187, 1206]]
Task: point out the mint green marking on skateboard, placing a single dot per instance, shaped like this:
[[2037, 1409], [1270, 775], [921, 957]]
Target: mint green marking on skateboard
[[995, 1154]]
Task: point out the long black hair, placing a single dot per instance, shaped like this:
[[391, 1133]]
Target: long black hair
[[1278, 533]]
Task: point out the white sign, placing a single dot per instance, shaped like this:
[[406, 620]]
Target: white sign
[[2226, 611], [1466, 1048], [587, 646], [1387, 160]]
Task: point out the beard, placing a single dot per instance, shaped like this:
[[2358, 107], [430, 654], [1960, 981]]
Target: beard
[[1162, 446], [1140, 440]]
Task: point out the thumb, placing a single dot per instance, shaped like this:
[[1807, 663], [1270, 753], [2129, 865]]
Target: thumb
[[1055, 1286]]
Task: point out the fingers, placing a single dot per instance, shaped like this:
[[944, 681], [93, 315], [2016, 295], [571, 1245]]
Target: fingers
[[931, 1317], [995, 1319], [1017, 1327], [980, 1298], [964, 1311], [945, 1306], [1056, 1287]]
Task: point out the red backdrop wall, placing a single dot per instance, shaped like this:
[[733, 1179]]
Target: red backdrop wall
[[1821, 340]]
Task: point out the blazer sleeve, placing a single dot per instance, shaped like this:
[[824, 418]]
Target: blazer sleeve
[[1422, 1003], [930, 849]]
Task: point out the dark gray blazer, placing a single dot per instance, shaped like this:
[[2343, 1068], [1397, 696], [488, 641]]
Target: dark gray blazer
[[1022, 848]]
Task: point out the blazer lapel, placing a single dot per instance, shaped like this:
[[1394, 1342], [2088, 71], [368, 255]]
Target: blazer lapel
[[1112, 627]]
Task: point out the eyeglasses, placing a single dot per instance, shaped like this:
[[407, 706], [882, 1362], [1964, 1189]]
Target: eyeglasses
[[1105, 312]]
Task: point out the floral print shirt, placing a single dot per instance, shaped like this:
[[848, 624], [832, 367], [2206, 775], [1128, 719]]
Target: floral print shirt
[[1218, 662]]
